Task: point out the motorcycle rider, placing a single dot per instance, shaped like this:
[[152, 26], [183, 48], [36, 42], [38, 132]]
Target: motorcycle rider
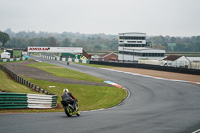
[[67, 96]]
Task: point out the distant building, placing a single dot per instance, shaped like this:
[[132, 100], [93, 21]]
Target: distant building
[[95, 57], [176, 61], [194, 62], [194, 59], [133, 46], [111, 56]]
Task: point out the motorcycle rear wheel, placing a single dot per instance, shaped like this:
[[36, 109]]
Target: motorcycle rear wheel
[[68, 111]]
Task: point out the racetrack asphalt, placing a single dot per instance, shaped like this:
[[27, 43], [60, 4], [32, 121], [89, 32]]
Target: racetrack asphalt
[[154, 106]]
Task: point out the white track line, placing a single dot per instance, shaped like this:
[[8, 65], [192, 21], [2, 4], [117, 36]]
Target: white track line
[[197, 131], [135, 74]]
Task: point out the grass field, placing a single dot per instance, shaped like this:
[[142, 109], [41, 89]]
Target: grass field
[[7, 84], [64, 72], [89, 97]]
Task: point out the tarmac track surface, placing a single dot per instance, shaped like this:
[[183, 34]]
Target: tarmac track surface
[[154, 106]]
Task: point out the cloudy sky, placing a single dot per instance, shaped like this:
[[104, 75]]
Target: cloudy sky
[[154, 17]]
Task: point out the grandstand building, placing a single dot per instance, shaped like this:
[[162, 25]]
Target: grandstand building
[[133, 46]]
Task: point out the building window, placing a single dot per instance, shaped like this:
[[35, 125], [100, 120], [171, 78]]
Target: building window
[[131, 41], [121, 37], [153, 54], [133, 45], [132, 38]]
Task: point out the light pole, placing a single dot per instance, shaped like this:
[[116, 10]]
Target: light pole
[[133, 55], [123, 47]]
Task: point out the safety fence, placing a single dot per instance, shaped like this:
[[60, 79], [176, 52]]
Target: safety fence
[[148, 66], [66, 59], [20, 100], [13, 59]]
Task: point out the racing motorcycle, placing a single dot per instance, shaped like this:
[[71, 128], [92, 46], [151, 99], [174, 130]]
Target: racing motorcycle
[[69, 109]]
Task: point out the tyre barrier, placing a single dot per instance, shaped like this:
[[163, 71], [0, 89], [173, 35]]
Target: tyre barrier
[[21, 100]]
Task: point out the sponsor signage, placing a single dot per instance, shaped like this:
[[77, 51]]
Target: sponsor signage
[[56, 49]]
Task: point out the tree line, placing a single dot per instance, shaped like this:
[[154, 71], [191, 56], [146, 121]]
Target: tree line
[[176, 44], [95, 42], [89, 42]]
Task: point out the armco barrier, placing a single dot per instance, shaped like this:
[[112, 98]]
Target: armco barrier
[[147, 66], [20, 100]]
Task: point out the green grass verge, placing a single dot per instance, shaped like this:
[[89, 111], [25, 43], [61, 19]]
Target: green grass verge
[[7, 84], [90, 97], [17, 53], [64, 72]]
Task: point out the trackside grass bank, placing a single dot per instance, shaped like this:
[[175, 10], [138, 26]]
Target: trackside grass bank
[[9, 85], [64, 72], [89, 97]]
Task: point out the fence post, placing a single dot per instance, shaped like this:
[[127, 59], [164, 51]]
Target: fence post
[[30, 85], [33, 86]]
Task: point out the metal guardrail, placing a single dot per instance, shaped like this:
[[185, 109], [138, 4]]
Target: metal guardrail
[[21, 100]]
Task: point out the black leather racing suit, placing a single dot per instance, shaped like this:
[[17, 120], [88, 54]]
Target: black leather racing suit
[[67, 96]]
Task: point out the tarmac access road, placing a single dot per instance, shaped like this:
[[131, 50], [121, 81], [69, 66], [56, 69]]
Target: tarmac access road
[[154, 106]]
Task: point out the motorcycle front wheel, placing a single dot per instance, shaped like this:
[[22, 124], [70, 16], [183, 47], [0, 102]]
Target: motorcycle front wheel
[[78, 112]]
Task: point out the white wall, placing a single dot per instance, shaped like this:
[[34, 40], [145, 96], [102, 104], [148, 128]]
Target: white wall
[[194, 65], [152, 62], [140, 50], [131, 57]]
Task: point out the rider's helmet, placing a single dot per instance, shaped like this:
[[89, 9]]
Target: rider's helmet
[[65, 90]]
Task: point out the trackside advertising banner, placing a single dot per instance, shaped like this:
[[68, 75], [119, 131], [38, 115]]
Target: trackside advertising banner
[[56, 49]]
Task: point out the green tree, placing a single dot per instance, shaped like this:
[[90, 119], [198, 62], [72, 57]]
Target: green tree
[[66, 42], [97, 47], [172, 39], [51, 42], [158, 40], [4, 37], [198, 38]]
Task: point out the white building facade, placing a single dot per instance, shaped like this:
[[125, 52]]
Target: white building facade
[[133, 46]]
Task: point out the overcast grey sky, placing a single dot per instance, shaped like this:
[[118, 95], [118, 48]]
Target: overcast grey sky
[[154, 17]]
